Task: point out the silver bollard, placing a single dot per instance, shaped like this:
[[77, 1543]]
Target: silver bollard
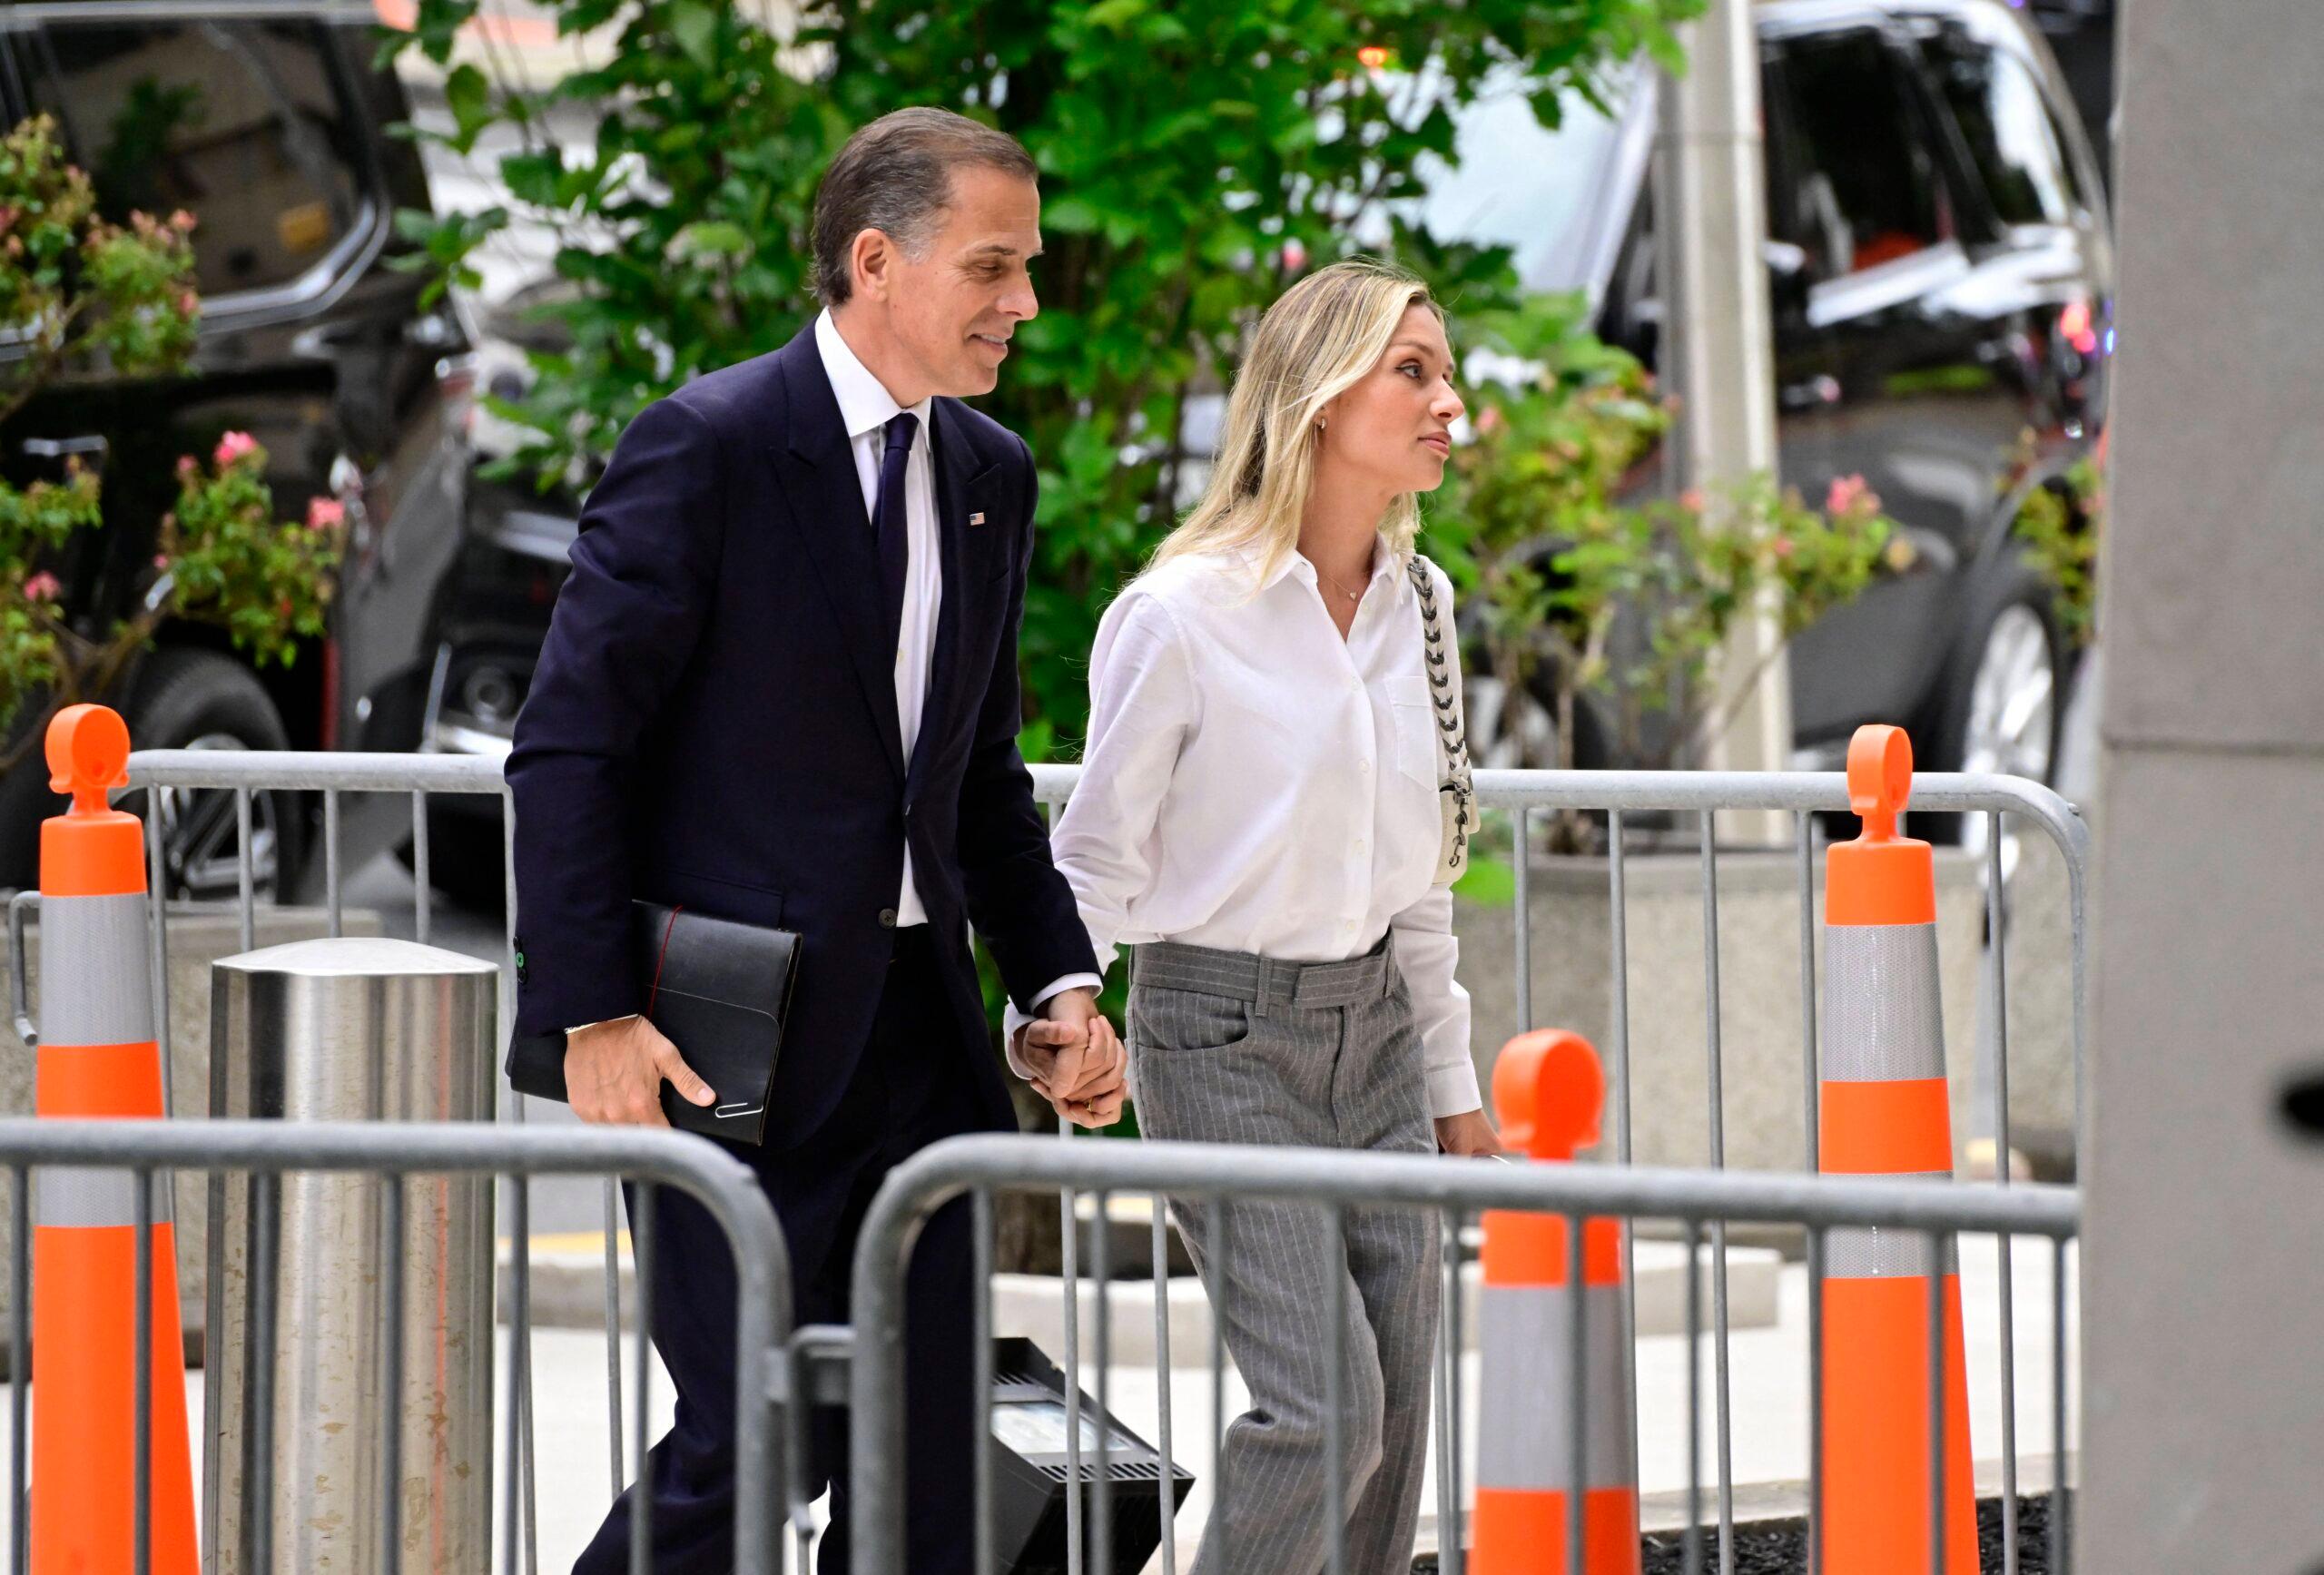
[[300, 1449]]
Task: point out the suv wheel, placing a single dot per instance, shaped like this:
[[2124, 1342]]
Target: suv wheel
[[190, 699], [2003, 699]]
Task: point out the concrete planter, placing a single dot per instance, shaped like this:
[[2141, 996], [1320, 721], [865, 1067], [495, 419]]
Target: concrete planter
[[198, 934], [1570, 916]]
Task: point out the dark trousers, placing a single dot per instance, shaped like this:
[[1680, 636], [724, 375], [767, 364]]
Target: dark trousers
[[914, 1086]]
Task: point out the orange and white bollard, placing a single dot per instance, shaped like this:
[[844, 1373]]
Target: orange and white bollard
[[1549, 1092], [97, 1057], [1884, 1113]]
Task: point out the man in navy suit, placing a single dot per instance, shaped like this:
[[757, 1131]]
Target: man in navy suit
[[780, 687]]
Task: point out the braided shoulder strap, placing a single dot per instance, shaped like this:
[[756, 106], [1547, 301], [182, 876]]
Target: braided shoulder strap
[[1456, 792]]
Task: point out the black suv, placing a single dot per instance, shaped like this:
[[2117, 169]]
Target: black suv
[[270, 122], [1942, 284]]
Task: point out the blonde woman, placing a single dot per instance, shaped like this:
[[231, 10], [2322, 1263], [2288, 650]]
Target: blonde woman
[[1258, 818]]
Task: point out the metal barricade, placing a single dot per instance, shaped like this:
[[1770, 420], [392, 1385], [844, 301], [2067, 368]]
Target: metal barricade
[[1626, 799], [420, 777], [1335, 1181], [393, 1153]]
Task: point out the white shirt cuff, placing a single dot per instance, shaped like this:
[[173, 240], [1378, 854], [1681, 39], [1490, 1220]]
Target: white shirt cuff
[[1011, 1019], [1453, 1089]]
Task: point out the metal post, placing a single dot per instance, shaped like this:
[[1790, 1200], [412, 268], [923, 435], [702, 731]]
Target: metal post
[[1169, 1511], [357, 1029], [1711, 1014], [1523, 820], [980, 1229], [1997, 951], [1719, 343]]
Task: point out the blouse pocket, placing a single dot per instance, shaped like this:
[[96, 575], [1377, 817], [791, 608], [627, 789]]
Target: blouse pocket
[[1177, 1021], [1413, 715]]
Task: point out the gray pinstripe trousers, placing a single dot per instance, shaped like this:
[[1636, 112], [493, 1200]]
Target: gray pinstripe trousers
[[1228, 1048]]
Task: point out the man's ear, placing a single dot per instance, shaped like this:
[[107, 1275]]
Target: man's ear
[[872, 259]]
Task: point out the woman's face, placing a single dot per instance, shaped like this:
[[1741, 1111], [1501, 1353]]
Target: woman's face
[[1393, 427]]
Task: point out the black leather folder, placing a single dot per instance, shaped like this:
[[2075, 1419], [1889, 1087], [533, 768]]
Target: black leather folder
[[719, 990]]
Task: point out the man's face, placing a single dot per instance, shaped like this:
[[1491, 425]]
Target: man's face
[[950, 314]]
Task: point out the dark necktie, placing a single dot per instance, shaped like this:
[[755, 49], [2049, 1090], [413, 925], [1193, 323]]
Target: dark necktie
[[888, 515]]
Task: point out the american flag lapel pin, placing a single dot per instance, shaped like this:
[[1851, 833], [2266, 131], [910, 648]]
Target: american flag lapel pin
[[976, 518]]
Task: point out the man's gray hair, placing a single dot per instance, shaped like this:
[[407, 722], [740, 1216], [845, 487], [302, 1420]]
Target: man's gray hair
[[895, 176]]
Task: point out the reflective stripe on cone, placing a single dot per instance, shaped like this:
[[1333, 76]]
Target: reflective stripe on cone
[[1549, 1091], [97, 1058], [1885, 1112]]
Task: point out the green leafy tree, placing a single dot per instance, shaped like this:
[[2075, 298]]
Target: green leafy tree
[[1195, 156], [1571, 570], [2059, 525]]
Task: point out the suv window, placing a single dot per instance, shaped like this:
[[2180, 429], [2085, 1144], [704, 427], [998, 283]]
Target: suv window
[[237, 121], [1858, 188], [2006, 121]]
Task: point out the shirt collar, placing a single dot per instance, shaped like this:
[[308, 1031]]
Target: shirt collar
[[1383, 563], [864, 403]]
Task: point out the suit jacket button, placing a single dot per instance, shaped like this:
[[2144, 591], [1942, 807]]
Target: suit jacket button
[[887, 918]]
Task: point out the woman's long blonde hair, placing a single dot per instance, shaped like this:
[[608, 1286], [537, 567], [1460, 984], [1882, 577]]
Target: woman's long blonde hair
[[1323, 335]]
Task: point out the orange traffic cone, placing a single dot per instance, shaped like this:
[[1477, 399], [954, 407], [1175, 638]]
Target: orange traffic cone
[[1549, 1091], [1884, 1114], [97, 1058]]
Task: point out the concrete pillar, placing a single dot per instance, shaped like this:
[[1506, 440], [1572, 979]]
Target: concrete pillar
[[1718, 348], [2203, 1268]]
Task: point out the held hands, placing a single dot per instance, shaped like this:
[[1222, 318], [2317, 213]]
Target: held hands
[[1076, 1059], [614, 1073], [1469, 1136]]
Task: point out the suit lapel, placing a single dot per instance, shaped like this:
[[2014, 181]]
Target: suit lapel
[[818, 471]]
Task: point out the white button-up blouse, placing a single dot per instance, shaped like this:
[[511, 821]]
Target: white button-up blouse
[[1256, 784]]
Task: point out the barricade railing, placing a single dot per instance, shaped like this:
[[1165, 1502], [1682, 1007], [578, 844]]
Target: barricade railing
[[394, 1152], [1628, 801], [1453, 1190], [1628, 798]]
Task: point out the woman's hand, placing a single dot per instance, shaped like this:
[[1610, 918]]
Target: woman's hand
[[1468, 1135]]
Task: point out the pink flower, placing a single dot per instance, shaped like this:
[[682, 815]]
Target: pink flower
[[1848, 491], [187, 468], [325, 513], [1490, 420], [161, 560], [41, 587], [1294, 256], [1781, 546], [233, 445], [189, 303], [184, 220], [1692, 501]]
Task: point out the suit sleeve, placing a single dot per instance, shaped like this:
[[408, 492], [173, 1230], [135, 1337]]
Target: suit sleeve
[[625, 627], [1016, 899]]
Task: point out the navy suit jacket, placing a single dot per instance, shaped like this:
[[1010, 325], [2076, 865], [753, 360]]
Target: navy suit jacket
[[714, 723]]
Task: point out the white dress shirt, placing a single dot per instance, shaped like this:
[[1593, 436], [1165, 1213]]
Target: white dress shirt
[[865, 408], [1254, 782]]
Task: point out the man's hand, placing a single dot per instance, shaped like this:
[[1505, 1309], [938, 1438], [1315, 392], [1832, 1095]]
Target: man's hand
[[1468, 1135], [1075, 1058], [614, 1073]]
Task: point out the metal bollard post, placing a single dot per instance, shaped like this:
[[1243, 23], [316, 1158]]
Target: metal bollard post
[[350, 1030]]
